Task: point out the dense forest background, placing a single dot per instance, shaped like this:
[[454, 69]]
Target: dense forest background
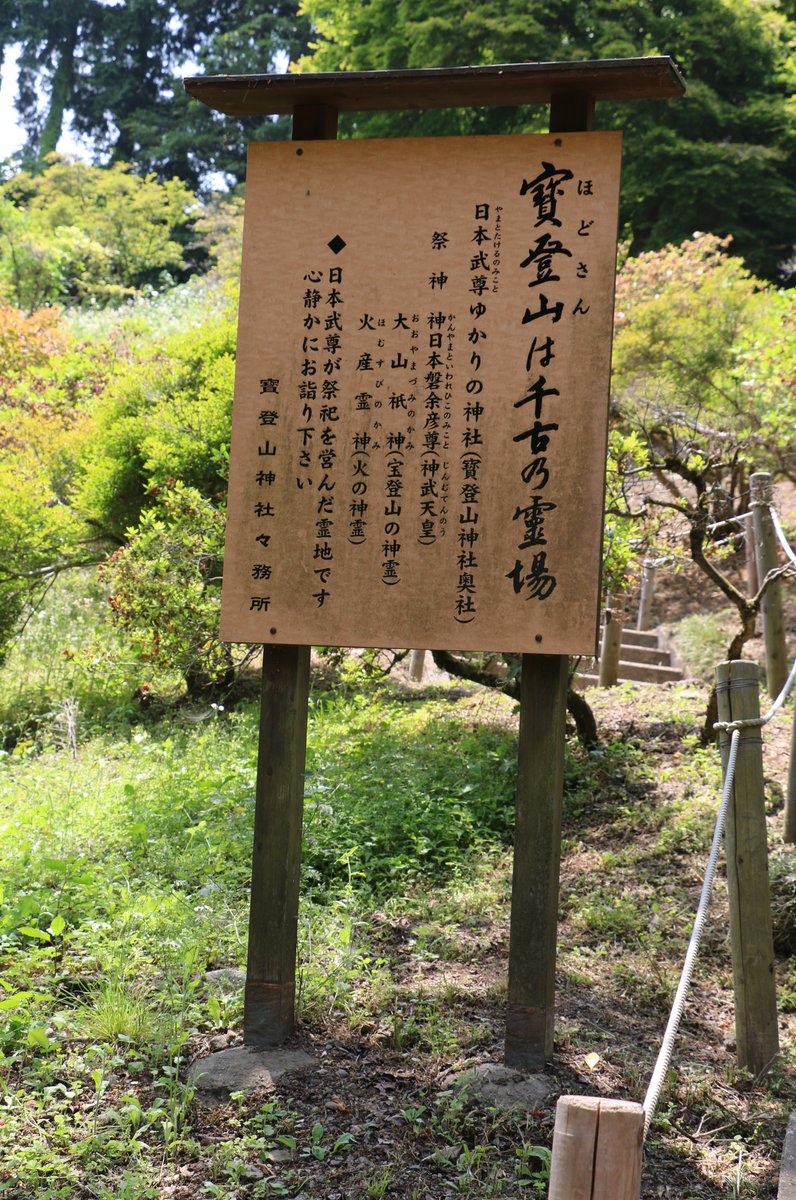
[[724, 160]]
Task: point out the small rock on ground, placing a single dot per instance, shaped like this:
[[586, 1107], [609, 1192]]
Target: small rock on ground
[[504, 1087], [226, 979], [246, 1069]]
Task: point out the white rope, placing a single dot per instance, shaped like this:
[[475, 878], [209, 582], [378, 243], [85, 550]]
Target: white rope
[[727, 521], [733, 537], [783, 541], [734, 729], [667, 1046]]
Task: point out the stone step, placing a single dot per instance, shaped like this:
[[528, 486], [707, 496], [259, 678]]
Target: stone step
[[640, 637], [643, 660], [647, 673], [637, 672], [646, 654]]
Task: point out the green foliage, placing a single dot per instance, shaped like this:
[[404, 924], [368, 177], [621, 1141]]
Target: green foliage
[[77, 232], [67, 672], [125, 874], [700, 641], [628, 458], [115, 71], [439, 789], [680, 315], [38, 527], [695, 370], [165, 584], [687, 163], [48, 380], [166, 417]]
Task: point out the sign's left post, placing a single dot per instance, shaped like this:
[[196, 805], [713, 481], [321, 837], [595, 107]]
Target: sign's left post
[[270, 997]]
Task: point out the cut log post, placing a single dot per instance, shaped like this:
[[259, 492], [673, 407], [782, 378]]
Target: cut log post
[[611, 645], [537, 856], [597, 1149], [771, 606], [751, 940], [647, 594], [417, 665], [269, 1003], [752, 581], [790, 800]]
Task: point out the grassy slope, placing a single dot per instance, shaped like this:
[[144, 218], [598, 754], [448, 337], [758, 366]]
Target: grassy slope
[[124, 842]]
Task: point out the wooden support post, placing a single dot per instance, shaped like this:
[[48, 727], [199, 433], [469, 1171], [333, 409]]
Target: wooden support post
[[756, 1032], [647, 594], [269, 1003], [752, 582], [790, 799], [537, 855], [611, 644], [540, 790], [597, 1149], [273, 922], [768, 560], [417, 663]]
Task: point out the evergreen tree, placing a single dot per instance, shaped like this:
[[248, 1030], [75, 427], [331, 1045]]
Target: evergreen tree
[[116, 72], [723, 159]]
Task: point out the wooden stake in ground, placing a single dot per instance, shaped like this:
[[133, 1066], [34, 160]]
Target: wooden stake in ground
[[790, 800], [611, 645], [756, 1031], [771, 605], [647, 594], [417, 663], [597, 1147], [752, 582]]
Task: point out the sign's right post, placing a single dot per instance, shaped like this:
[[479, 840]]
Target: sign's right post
[[530, 1020]]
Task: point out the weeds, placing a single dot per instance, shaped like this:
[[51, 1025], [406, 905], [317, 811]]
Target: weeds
[[125, 839]]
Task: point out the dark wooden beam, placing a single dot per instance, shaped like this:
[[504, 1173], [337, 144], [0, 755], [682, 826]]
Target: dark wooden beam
[[451, 87]]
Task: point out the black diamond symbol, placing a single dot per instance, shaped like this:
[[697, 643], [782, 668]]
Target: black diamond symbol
[[336, 244]]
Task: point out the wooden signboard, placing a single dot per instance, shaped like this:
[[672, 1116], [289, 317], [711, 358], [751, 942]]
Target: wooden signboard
[[421, 394]]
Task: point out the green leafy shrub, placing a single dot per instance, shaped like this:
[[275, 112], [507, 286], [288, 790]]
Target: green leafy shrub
[[391, 800], [77, 232], [165, 586], [700, 642], [165, 417]]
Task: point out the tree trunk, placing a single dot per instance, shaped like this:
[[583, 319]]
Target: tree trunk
[[577, 705], [60, 95]]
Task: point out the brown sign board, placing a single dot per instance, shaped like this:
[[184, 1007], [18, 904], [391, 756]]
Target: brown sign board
[[421, 396]]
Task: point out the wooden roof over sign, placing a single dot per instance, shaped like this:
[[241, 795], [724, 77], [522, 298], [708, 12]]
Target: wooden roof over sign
[[655, 78]]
